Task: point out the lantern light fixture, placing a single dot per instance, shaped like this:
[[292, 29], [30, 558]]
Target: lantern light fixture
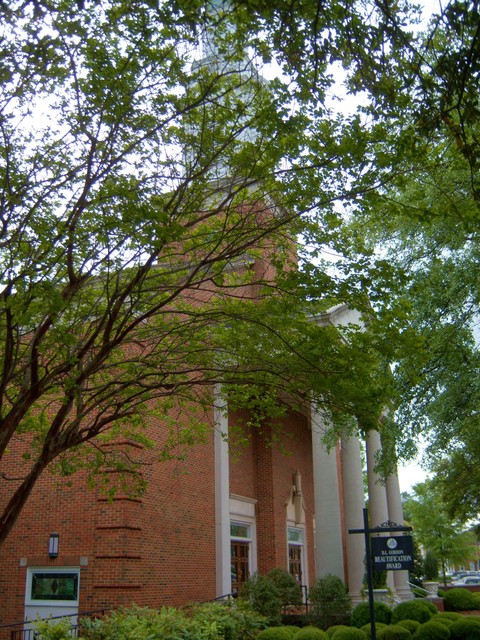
[[53, 544]]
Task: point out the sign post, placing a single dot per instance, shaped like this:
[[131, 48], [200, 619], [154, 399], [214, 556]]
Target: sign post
[[392, 553]]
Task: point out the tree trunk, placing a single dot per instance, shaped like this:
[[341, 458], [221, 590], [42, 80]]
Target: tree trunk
[[20, 497]]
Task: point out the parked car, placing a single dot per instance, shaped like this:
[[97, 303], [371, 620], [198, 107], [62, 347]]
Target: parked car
[[465, 581]]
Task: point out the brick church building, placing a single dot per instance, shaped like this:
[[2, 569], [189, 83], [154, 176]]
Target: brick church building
[[203, 525]]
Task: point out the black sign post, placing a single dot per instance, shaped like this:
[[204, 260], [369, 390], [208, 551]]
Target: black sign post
[[393, 553]]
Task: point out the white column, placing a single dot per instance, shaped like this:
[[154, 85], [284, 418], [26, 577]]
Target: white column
[[395, 513], [328, 523], [377, 494], [353, 505], [222, 496]]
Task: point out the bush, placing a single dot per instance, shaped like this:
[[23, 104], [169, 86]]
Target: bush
[[264, 597], [412, 610], [465, 629], [367, 628], [430, 606], [330, 602], [476, 599], [349, 633], [361, 613], [53, 630], [394, 632], [441, 593], [233, 622], [203, 622], [336, 627], [447, 615], [411, 625], [458, 599], [430, 566], [276, 633], [432, 631], [310, 633], [445, 621], [289, 590]]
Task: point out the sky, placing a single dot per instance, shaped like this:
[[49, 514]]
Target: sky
[[409, 475]]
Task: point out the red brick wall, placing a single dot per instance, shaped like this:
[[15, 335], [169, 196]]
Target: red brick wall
[[158, 548], [264, 470]]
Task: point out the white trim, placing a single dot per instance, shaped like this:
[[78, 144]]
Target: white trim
[[222, 492], [29, 602], [302, 545], [243, 507], [242, 511]]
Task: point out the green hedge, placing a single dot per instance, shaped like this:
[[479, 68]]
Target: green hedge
[[459, 599], [310, 633], [361, 613], [411, 625], [412, 610], [367, 628], [432, 631], [331, 630], [394, 632], [465, 629], [349, 633]]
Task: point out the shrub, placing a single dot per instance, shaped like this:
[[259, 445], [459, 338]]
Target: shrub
[[447, 615], [275, 633], [361, 613], [445, 621], [394, 632], [310, 633], [411, 610], [430, 566], [233, 622], [367, 628], [476, 599], [289, 590], [295, 620], [441, 593], [432, 631], [264, 597], [349, 633], [331, 630], [465, 629], [292, 628], [458, 599], [411, 625], [430, 606], [330, 602], [53, 630], [203, 622], [142, 623]]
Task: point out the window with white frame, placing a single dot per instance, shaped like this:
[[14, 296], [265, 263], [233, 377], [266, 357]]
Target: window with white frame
[[296, 541], [240, 553]]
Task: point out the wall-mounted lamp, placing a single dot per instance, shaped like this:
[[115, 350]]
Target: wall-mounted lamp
[[53, 543]]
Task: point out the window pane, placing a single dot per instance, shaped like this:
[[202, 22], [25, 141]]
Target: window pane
[[295, 562], [295, 535], [54, 586], [239, 564], [238, 530]]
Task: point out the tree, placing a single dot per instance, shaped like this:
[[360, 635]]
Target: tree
[[423, 222], [435, 530], [149, 209]]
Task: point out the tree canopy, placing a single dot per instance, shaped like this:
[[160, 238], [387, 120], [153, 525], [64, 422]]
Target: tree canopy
[[435, 530], [153, 190], [153, 186]]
